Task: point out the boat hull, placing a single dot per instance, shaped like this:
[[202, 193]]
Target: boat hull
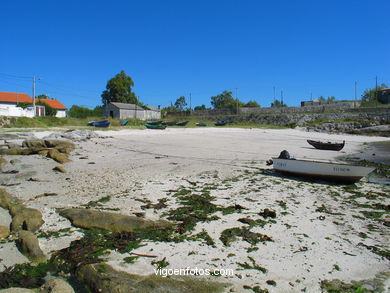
[[182, 123], [334, 172], [152, 126], [326, 145]]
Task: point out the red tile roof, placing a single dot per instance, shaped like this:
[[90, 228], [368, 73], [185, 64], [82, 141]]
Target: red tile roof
[[54, 104], [15, 98]]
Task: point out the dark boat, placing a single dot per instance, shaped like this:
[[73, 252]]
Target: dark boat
[[169, 123], [184, 123], [124, 122], [326, 145], [155, 126], [103, 123], [154, 122], [220, 123], [202, 124]]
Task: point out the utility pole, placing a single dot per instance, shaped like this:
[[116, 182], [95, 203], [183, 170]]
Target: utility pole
[[34, 85], [237, 99], [311, 97]]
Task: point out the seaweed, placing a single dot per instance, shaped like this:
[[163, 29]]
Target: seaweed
[[230, 235]]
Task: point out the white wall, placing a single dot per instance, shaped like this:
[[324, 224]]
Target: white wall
[[12, 110], [61, 113]]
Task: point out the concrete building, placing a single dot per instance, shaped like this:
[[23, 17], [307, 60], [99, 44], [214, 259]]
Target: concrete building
[[342, 104], [383, 95], [9, 105], [125, 111]]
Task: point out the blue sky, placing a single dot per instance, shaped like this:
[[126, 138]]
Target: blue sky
[[173, 48]]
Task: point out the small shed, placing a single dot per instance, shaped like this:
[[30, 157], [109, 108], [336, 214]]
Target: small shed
[[125, 111]]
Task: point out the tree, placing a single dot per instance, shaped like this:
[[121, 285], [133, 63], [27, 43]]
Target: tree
[[200, 108], [83, 112], [224, 100], [328, 100], [119, 89], [278, 104], [369, 95], [252, 104], [181, 103]]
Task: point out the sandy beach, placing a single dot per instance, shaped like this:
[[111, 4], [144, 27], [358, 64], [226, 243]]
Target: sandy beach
[[320, 231]]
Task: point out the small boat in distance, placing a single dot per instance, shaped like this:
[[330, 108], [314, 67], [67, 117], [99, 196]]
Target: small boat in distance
[[326, 145], [103, 123], [169, 123], [202, 124], [124, 122], [154, 122], [155, 126], [184, 123], [335, 172], [220, 123]]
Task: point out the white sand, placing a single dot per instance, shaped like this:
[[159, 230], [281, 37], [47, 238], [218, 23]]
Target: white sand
[[145, 164]]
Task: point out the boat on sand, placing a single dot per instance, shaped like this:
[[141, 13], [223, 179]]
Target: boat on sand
[[326, 145], [155, 126], [328, 171]]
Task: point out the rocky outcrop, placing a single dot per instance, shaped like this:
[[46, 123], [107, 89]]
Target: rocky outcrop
[[92, 219], [4, 232], [29, 246], [103, 278], [56, 286], [57, 156]]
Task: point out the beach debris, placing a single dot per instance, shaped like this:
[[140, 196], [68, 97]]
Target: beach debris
[[44, 195], [266, 213], [230, 235], [9, 184], [59, 169], [157, 206], [103, 278], [37, 180], [29, 246], [11, 172], [254, 266], [92, 219]]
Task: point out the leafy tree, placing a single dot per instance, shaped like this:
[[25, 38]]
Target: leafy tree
[[200, 108], [181, 103], [252, 104], [369, 95], [278, 104], [328, 100], [82, 112], [119, 89], [224, 100]]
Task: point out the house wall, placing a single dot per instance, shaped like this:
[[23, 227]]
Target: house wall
[[61, 113], [112, 108], [13, 111], [128, 114]]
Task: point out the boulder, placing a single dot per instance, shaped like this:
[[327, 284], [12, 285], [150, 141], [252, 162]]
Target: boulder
[[17, 152], [56, 143], [7, 200], [4, 232], [92, 219], [34, 144], [17, 290], [29, 245], [26, 219], [103, 278], [56, 285], [59, 169], [57, 156]]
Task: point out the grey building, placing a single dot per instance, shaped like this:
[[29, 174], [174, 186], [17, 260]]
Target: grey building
[[126, 111], [383, 95]]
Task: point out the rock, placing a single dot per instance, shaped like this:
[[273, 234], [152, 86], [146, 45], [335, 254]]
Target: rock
[[91, 219], [7, 200], [266, 213], [34, 143], [17, 290], [17, 152], [13, 146], [14, 161], [29, 246], [43, 152], [103, 278], [57, 143], [59, 169], [2, 161], [56, 286], [4, 232], [57, 156], [26, 219]]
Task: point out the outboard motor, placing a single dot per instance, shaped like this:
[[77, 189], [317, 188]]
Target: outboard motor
[[284, 155]]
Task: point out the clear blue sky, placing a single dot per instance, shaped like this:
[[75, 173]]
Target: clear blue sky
[[173, 48]]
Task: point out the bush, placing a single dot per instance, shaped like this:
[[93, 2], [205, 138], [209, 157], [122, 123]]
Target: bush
[[82, 112]]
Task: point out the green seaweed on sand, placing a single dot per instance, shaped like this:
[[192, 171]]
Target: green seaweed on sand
[[255, 289], [230, 235]]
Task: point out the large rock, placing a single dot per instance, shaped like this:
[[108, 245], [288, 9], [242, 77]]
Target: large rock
[[7, 200], [57, 156], [91, 219], [34, 144], [17, 152], [17, 290], [26, 219], [29, 245], [56, 286], [103, 278], [58, 144], [4, 232]]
